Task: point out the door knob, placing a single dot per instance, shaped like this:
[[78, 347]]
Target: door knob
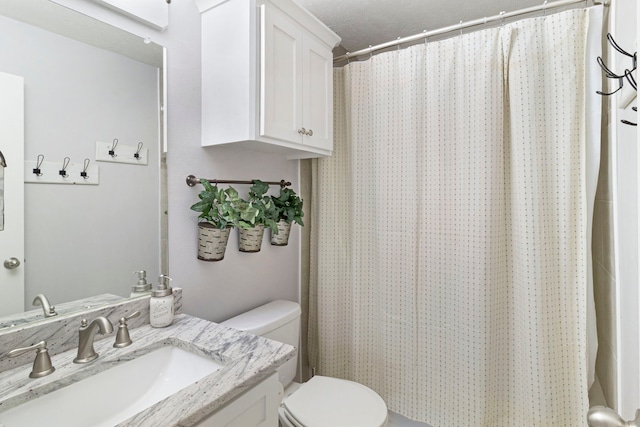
[[601, 416], [11, 263]]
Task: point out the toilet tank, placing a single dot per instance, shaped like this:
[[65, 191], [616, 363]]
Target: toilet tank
[[278, 320]]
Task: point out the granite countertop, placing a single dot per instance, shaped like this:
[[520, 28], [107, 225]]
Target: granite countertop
[[248, 360]]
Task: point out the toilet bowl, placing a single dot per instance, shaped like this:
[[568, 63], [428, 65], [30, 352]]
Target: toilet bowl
[[321, 401]]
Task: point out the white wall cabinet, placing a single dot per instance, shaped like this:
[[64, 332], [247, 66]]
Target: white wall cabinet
[[257, 407], [267, 77]]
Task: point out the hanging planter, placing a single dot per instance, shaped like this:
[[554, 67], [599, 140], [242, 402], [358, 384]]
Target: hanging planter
[[256, 213], [282, 237], [217, 219], [212, 242], [289, 209], [250, 239]]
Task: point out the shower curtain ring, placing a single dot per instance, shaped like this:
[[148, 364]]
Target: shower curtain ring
[[460, 27], [370, 51], [544, 8], [502, 18]]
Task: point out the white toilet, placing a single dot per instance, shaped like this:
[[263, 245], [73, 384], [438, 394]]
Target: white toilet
[[321, 401]]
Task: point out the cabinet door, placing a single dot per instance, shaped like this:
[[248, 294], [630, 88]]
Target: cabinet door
[[281, 79], [318, 94], [257, 407]]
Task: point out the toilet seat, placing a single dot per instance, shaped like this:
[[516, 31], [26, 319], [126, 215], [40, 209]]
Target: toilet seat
[[325, 401]]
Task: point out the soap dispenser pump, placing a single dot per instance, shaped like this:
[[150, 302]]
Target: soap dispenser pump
[[161, 304], [142, 287]]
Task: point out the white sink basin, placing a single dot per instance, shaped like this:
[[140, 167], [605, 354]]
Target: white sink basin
[[113, 395]]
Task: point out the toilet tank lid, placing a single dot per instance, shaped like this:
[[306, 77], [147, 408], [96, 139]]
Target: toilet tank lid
[[265, 318]]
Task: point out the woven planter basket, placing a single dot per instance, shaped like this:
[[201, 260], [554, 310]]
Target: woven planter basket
[[251, 239], [212, 242], [282, 238]]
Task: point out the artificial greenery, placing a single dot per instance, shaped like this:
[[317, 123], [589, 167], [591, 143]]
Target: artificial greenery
[[225, 208], [244, 214], [214, 206], [267, 212], [289, 206]]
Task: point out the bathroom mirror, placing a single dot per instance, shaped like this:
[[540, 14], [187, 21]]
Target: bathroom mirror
[[87, 82]]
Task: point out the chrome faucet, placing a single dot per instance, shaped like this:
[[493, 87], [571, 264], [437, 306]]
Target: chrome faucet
[[87, 333], [48, 309]]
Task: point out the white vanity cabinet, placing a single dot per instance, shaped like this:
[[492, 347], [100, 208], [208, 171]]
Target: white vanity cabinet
[[257, 407], [267, 77]]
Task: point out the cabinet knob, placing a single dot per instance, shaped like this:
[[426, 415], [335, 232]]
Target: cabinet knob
[[302, 131], [310, 133]]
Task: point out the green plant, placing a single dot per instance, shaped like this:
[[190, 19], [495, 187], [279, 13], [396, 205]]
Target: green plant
[[243, 213], [214, 206], [289, 206], [267, 212]]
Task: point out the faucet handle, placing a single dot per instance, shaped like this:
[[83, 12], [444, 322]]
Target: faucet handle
[[42, 364], [122, 336]]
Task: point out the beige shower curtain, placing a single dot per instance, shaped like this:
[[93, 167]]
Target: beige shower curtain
[[449, 228]]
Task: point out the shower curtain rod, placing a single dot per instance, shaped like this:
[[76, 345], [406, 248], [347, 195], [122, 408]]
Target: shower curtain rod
[[462, 25]]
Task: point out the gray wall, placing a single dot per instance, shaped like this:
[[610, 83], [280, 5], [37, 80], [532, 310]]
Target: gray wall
[[85, 240], [213, 291]]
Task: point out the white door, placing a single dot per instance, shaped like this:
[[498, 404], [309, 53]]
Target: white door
[[12, 193]]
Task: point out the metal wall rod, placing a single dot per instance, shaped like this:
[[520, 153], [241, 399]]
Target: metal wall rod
[[500, 17], [192, 181]]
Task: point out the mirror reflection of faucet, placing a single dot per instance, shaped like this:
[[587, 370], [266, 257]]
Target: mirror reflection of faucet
[[47, 308]]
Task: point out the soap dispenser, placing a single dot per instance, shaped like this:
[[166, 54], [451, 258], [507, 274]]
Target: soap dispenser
[[161, 304], [142, 287]]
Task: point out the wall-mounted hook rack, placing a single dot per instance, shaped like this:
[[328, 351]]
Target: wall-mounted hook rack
[[60, 173], [130, 154]]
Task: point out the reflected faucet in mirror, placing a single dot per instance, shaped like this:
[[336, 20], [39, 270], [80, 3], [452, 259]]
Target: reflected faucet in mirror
[[47, 308]]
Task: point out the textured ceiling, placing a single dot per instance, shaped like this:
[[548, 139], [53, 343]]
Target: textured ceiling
[[361, 23]]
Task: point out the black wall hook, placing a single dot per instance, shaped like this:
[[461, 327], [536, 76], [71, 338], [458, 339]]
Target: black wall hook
[[39, 161], [137, 153], [112, 152], [627, 75], [84, 170], [65, 164]]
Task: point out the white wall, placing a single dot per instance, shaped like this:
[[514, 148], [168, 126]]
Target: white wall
[[213, 291], [626, 345], [85, 240]]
